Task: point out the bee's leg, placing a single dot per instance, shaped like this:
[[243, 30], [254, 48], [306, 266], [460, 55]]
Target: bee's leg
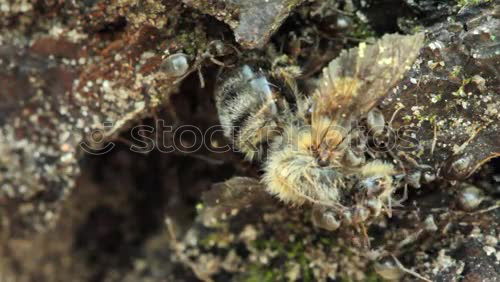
[[413, 179], [387, 206], [375, 206], [360, 214], [364, 233], [399, 202], [352, 159], [324, 218], [398, 160]]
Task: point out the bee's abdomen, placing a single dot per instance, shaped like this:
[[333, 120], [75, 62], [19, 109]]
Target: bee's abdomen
[[241, 95], [247, 109]]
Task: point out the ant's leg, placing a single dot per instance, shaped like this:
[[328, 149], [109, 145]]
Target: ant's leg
[[200, 77], [404, 198], [217, 62], [366, 238]]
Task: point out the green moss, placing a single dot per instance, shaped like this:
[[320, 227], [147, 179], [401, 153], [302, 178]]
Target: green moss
[[456, 71], [292, 251], [260, 273], [407, 118], [436, 97], [463, 3], [307, 274], [370, 277], [429, 118], [271, 244], [199, 207], [190, 42], [208, 241], [418, 28], [374, 277], [296, 251], [327, 242], [219, 239], [362, 31], [460, 91]]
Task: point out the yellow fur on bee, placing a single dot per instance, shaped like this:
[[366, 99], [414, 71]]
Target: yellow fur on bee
[[328, 132], [280, 174], [305, 141], [292, 172], [377, 167]]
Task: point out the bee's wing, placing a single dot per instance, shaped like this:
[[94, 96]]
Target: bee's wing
[[356, 81]]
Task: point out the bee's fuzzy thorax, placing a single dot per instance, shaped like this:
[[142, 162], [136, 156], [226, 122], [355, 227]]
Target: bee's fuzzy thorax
[[377, 167], [293, 174]]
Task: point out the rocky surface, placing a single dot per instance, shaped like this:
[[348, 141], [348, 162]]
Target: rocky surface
[[253, 22], [86, 72], [71, 87], [450, 97], [269, 242]]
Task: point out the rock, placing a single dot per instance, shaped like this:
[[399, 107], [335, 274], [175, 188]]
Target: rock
[[478, 265], [271, 240], [253, 22], [68, 93], [448, 102]]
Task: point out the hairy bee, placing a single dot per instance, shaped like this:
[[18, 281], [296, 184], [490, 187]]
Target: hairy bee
[[314, 152], [251, 112]]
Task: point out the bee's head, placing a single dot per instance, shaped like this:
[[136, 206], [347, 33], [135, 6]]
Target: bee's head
[[375, 185], [376, 178]]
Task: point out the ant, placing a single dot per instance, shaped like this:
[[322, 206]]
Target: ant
[[214, 49]]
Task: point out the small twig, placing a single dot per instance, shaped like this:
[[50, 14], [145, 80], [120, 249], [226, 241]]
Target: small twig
[[410, 239], [472, 137], [409, 271], [487, 209], [434, 139], [394, 115]]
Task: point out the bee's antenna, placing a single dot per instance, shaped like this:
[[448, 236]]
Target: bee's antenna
[[326, 131]]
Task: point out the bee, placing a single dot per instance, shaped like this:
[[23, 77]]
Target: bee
[[311, 147], [251, 112]]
